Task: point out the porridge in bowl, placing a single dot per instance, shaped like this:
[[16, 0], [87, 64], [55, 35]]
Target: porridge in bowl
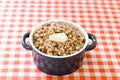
[[61, 44], [58, 39]]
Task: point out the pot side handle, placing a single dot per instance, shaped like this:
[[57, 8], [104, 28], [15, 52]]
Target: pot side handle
[[94, 42], [24, 44]]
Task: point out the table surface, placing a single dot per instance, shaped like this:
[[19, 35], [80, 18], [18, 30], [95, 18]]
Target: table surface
[[101, 18]]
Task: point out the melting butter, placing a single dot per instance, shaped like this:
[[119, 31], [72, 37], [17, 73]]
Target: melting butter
[[58, 37]]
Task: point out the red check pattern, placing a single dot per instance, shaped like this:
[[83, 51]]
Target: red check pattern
[[99, 17]]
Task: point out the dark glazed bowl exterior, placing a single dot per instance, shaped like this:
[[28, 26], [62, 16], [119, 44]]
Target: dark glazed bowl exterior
[[58, 66]]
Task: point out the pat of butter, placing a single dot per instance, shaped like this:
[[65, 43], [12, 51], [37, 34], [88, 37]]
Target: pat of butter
[[58, 37]]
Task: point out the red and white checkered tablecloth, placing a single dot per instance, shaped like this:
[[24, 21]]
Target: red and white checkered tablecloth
[[99, 17]]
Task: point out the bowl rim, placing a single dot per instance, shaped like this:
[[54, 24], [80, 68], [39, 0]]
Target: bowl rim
[[65, 21]]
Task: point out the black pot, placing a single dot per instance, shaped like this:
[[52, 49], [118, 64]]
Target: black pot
[[59, 65]]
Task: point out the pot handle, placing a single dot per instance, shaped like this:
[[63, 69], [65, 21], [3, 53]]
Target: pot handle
[[24, 44], [94, 42]]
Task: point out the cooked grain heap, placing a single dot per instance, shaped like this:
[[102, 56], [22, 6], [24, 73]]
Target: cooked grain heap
[[75, 39]]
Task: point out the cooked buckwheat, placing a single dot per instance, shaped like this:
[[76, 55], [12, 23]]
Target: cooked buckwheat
[[74, 43]]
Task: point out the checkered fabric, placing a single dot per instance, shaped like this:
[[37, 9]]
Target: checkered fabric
[[99, 17]]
